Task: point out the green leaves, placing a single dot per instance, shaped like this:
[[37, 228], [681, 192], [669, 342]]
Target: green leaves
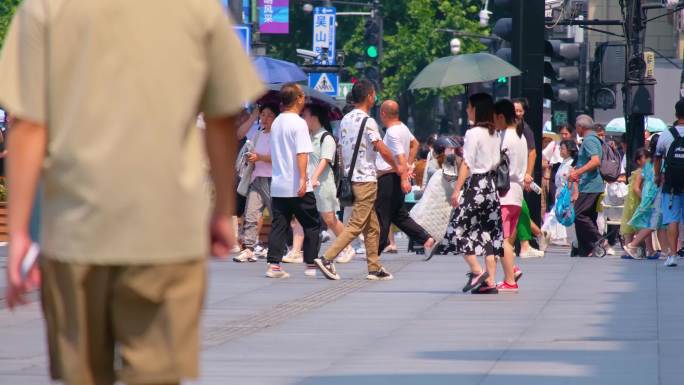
[[7, 9]]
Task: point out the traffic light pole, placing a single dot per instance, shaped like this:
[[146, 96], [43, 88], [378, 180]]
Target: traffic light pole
[[634, 118], [528, 55]]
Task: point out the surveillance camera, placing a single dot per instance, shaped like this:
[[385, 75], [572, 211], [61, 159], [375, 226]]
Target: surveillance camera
[[484, 17], [455, 45], [308, 8], [306, 54]]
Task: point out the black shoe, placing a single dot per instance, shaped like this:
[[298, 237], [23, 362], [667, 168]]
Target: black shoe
[[680, 253], [484, 289], [327, 268], [574, 252], [475, 281], [380, 275]]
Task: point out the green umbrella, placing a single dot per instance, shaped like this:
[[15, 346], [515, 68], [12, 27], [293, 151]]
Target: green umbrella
[[463, 69]]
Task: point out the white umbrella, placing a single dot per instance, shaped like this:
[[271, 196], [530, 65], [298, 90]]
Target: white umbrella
[[650, 123]]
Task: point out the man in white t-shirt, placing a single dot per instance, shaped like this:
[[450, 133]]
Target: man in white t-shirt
[[393, 180], [364, 183], [291, 191]]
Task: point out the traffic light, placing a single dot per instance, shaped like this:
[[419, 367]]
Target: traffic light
[[371, 37], [503, 28], [562, 71], [607, 70]]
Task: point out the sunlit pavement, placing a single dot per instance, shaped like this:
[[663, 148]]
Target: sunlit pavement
[[575, 321]]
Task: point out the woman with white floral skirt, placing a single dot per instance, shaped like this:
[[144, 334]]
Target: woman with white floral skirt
[[476, 228]]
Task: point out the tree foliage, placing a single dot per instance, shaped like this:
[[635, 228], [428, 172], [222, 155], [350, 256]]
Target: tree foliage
[[7, 9]]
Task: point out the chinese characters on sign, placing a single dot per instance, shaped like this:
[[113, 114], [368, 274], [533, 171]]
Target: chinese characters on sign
[[324, 34], [274, 16]]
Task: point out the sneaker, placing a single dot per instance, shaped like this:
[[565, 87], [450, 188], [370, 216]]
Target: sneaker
[[346, 255], [680, 253], [671, 261], [574, 251], [531, 252], [294, 257], [517, 273], [485, 289], [310, 272], [610, 250], [235, 250], [503, 287], [325, 237], [475, 280], [543, 240], [246, 255], [380, 275], [274, 271], [260, 252], [390, 250], [361, 250], [327, 268]]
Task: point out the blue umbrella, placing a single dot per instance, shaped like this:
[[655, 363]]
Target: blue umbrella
[[274, 71]]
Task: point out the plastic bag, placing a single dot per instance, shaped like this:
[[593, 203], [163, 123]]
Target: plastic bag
[[565, 210], [615, 194]]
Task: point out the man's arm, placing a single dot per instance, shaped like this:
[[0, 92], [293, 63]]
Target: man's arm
[[302, 161], [28, 142], [244, 127], [592, 164], [657, 166], [413, 151], [385, 152]]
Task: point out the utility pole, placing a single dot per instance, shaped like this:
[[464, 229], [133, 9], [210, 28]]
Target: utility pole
[[638, 91]]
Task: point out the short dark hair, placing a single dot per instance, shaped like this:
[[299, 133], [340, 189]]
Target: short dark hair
[[679, 109], [598, 127], [361, 90], [506, 108], [289, 93], [270, 106], [571, 146], [566, 127], [653, 144], [641, 153], [321, 113]]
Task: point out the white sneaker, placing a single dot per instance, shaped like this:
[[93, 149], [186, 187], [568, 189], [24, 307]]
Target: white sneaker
[[325, 237], [278, 274], [294, 257], [235, 250], [543, 240], [246, 255], [361, 250], [346, 255], [531, 253], [610, 250], [310, 272], [260, 252], [671, 261]]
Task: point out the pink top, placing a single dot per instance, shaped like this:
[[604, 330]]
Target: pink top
[[263, 147]]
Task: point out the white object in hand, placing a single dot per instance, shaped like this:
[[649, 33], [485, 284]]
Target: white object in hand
[[535, 187], [29, 260]]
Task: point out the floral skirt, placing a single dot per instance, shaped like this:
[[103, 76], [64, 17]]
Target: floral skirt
[[476, 227]]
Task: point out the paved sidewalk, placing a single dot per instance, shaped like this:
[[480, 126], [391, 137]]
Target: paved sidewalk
[[576, 321]]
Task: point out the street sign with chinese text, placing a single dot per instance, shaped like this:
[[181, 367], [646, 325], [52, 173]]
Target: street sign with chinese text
[[324, 34], [274, 16]]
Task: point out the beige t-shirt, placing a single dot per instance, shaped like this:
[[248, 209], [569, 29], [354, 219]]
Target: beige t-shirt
[[119, 84]]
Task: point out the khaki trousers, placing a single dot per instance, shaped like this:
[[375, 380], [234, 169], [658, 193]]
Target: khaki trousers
[[363, 221]]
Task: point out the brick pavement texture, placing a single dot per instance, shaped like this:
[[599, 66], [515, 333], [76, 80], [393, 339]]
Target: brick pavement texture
[[575, 321]]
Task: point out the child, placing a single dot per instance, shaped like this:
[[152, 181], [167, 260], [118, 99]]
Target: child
[[559, 234], [633, 197]]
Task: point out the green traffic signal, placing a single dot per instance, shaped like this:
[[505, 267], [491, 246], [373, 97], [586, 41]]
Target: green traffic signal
[[372, 51], [502, 79]]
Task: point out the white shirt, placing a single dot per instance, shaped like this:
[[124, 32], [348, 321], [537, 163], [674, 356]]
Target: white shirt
[[398, 139], [516, 149], [481, 151], [551, 153], [289, 137], [364, 171]]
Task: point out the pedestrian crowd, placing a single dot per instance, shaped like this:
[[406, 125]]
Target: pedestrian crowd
[[107, 128]]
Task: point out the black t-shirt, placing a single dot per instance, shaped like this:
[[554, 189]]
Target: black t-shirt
[[529, 137]]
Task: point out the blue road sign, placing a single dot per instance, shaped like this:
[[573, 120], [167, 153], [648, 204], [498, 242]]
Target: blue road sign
[[244, 34], [324, 82], [324, 33]]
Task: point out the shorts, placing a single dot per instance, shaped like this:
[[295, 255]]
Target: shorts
[[673, 208], [509, 216], [137, 324]]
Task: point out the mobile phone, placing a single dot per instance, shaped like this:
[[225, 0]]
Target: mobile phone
[[30, 259]]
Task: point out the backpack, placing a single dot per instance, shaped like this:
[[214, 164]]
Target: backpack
[[674, 165], [610, 163], [335, 165], [502, 172]]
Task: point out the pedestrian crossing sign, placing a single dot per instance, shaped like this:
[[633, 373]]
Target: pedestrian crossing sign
[[324, 82]]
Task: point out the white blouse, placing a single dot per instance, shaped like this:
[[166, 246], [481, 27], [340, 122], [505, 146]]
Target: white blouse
[[481, 151]]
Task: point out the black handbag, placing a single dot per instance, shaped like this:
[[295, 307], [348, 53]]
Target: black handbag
[[503, 178], [345, 194]]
